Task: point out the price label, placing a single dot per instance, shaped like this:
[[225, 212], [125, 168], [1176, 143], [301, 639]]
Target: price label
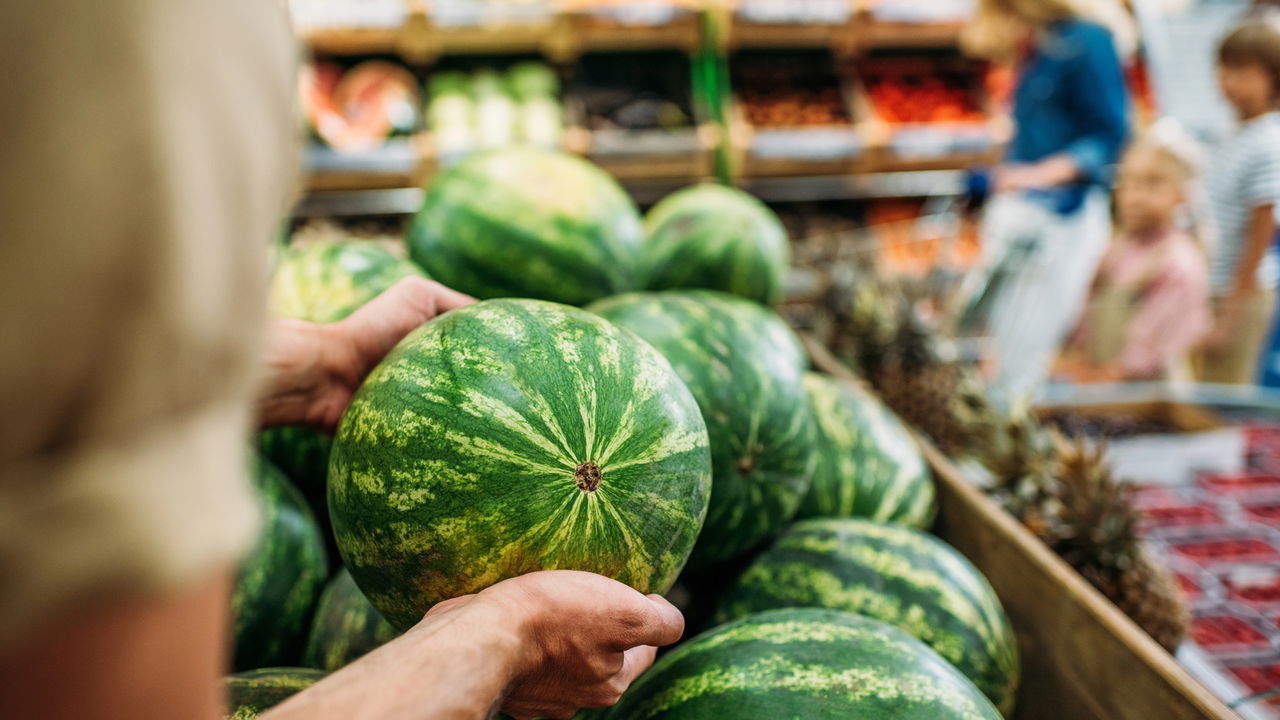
[[328, 14], [798, 12], [641, 13], [489, 13], [807, 144]]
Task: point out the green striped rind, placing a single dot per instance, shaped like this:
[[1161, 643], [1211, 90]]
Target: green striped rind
[[744, 366], [868, 465], [280, 582], [346, 626], [529, 223], [324, 282], [249, 694], [805, 664], [302, 453], [454, 467], [714, 237], [894, 574]]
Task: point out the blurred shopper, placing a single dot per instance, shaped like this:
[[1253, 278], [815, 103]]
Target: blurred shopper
[[1149, 307], [1244, 187], [148, 157], [1048, 223]]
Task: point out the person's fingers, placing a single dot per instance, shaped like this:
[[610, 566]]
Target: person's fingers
[[449, 299], [384, 321], [652, 621], [450, 605], [634, 662]]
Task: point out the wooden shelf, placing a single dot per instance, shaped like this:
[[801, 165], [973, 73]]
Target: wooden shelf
[[574, 28]]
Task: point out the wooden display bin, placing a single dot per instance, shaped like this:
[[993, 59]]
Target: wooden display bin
[[798, 150], [763, 24], [624, 25], [404, 162], [1082, 658], [910, 146]]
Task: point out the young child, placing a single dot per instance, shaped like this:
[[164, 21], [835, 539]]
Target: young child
[[1149, 307], [1244, 188]]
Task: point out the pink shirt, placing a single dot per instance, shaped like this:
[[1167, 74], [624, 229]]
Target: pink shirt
[[1166, 283]]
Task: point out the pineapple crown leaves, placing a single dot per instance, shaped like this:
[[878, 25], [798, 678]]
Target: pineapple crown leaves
[[1096, 525]]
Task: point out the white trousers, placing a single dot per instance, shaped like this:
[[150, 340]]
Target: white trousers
[[1050, 261]]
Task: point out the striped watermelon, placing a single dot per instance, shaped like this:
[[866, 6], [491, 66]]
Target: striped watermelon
[[280, 581], [715, 237], [513, 436], [529, 223], [249, 694], [803, 664], [324, 282], [868, 464], [346, 626], [894, 574], [744, 366]]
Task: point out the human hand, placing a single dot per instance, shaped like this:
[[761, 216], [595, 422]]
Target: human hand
[[1049, 173], [1226, 324], [585, 638], [314, 370]]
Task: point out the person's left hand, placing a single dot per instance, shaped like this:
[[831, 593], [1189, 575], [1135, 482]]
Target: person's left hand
[[314, 370]]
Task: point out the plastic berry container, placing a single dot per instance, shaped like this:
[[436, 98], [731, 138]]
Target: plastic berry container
[[1240, 484], [1266, 512], [1255, 586], [1220, 545], [1179, 510], [1198, 585], [1157, 495], [1223, 630], [1257, 675]]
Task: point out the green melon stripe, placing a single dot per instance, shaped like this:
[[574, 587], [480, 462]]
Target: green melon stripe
[[801, 583], [789, 661], [868, 464], [529, 223], [744, 367], [545, 390], [581, 274], [939, 566], [717, 238], [894, 574]]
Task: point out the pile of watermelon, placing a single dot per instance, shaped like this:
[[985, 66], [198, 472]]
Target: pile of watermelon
[[624, 401]]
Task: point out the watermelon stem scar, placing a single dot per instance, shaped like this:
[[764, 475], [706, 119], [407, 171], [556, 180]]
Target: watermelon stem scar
[[587, 476]]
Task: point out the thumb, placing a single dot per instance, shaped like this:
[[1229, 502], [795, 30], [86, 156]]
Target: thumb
[[377, 327]]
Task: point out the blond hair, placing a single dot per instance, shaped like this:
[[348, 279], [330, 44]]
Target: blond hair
[[993, 31]]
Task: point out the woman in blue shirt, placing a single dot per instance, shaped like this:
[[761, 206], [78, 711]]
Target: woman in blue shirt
[[1049, 223]]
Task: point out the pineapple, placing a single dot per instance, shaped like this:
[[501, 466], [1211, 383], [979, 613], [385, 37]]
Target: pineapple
[[1095, 531], [913, 368]]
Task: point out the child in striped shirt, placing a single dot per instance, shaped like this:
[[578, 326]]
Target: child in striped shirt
[[1244, 188]]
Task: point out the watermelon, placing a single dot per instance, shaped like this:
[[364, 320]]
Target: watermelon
[[324, 282], [346, 626], [512, 436], [745, 368], [894, 574], [251, 693], [279, 583], [529, 223], [715, 237], [803, 663], [868, 464]]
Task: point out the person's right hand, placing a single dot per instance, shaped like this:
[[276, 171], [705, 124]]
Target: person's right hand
[[585, 638]]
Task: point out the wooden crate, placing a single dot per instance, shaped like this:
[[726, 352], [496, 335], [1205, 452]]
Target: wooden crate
[[1180, 417], [1082, 658]]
